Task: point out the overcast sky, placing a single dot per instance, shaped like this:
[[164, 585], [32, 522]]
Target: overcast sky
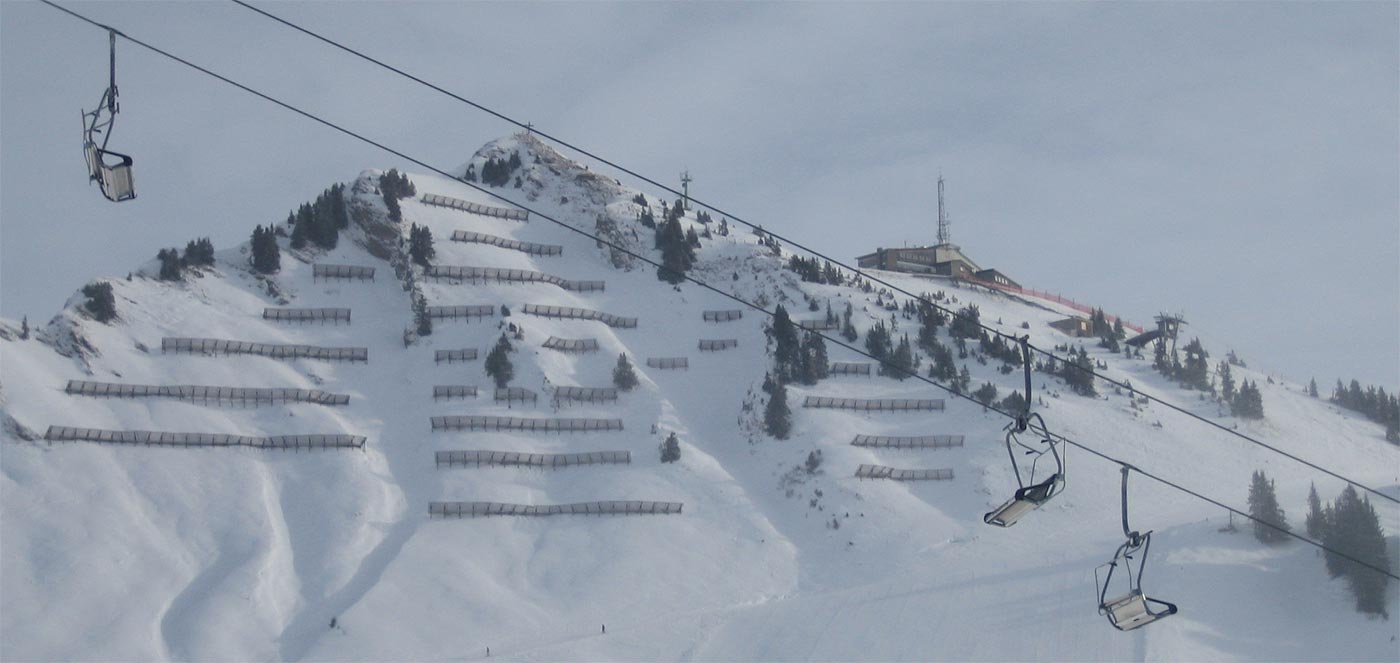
[[1239, 163]]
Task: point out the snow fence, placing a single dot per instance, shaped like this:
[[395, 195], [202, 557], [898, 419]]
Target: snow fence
[[571, 344], [506, 243], [163, 439], [461, 311], [321, 315], [873, 405], [492, 423], [325, 271], [717, 344], [722, 316], [476, 208], [910, 442], [882, 472], [503, 275], [580, 314], [619, 508], [453, 356], [217, 346], [204, 394], [550, 461]]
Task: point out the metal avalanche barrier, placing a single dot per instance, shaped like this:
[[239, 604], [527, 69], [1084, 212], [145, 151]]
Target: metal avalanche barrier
[[585, 394], [163, 439], [324, 271], [882, 472], [503, 275], [506, 243], [849, 368], [476, 208], [453, 391], [321, 315], [477, 458], [819, 325], [571, 344], [453, 356], [668, 363], [215, 346], [461, 311], [619, 508], [579, 313], [722, 316], [717, 344], [874, 405], [494, 423], [513, 394], [205, 394], [912, 442]]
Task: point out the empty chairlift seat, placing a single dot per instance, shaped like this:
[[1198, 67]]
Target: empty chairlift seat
[[722, 316], [476, 208], [572, 344], [909, 442], [506, 243], [718, 344], [326, 271], [205, 394], [873, 405], [215, 346], [321, 315], [617, 507], [477, 458], [882, 472]]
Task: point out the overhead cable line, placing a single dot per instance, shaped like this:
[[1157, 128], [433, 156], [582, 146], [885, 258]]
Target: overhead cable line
[[531, 128], [603, 242]]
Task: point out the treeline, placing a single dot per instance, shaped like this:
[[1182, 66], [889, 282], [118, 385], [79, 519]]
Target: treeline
[[1372, 402], [198, 253], [496, 172], [321, 221], [394, 185], [811, 270], [677, 246]]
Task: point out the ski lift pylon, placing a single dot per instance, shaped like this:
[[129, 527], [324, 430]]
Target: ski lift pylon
[[1030, 494], [113, 178], [1133, 609]]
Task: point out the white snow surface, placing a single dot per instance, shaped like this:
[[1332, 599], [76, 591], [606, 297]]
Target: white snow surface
[[113, 553]]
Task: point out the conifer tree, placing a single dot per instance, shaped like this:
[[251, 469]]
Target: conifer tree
[[671, 449], [1195, 373], [420, 245], [787, 353], [498, 364], [877, 341], [814, 461], [1312, 387], [1263, 506], [963, 381], [986, 393], [198, 252], [1315, 520], [421, 319], [777, 418], [967, 322], [943, 367], [169, 264], [100, 304], [815, 366], [1354, 528], [677, 255], [624, 377], [267, 258], [900, 363], [24, 329], [1227, 382]]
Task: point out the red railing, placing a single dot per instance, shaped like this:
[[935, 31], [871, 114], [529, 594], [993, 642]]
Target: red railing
[[1084, 308]]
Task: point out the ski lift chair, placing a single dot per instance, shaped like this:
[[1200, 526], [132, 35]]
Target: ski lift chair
[[1133, 609], [113, 178], [1028, 496]]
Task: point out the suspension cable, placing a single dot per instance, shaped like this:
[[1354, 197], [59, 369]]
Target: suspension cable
[[603, 242], [531, 128]]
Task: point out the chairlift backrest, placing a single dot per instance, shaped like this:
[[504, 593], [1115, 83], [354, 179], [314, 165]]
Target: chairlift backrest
[[114, 179]]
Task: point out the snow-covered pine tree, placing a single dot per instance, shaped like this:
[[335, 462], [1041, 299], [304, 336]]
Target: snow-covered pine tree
[[498, 364], [1263, 506], [623, 376], [101, 304], [777, 417], [671, 449]]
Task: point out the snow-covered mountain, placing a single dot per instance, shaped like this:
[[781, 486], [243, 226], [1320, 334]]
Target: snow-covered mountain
[[149, 553]]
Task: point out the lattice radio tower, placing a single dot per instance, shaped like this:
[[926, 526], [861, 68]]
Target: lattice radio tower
[[944, 236]]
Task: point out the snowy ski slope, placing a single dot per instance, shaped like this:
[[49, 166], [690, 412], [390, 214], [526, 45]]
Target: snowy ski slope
[[134, 553]]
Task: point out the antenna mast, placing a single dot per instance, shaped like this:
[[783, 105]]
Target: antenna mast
[[944, 236]]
